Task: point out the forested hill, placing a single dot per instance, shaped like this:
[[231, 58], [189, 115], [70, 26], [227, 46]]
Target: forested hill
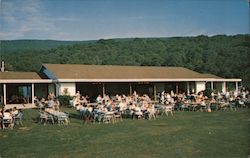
[[10, 46], [225, 56]]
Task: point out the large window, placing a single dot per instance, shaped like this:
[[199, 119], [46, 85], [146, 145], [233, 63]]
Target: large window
[[90, 89], [18, 93]]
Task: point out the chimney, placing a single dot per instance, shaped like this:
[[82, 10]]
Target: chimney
[[2, 66]]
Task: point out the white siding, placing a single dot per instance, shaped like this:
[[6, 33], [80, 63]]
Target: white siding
[[71, 88], [200, 86]]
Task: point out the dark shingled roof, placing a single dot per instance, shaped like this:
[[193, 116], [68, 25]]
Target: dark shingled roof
[[18, 75], [75, 71]]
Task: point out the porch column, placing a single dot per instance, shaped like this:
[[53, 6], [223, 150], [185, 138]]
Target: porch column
[[4, 93], [103, 90], [155, 92], [212, 85], [130, 89], [236, 88], [32, 93], [224, 88], [176, 88], [188, 92], [57, 86]]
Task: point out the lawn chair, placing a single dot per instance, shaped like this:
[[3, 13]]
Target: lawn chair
[[87, 116], [168, 109], [151, 112], [118, 116], [108, 117], [7, 121], [45, 118], [138, 115], [232, 106], [62, 119], [224, 106]]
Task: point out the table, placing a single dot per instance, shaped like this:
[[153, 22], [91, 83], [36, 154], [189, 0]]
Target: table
[[61, 117]]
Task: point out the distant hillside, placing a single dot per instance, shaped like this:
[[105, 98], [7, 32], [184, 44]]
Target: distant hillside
[[9, 46], [224, 56]]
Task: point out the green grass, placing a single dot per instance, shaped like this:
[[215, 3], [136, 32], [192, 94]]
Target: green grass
[[187, 134]]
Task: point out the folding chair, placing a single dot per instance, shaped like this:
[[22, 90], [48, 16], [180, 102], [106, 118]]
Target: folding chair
[[7, 121], [108, 117], [168, 109], [118, 116]]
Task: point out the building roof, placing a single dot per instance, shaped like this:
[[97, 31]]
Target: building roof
[[75, 71], [18, 75], [22, 77], [211, 76]]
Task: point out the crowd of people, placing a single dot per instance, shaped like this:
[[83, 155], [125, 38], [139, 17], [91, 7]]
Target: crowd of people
[[10, 117], [136, 105], [51, 102]]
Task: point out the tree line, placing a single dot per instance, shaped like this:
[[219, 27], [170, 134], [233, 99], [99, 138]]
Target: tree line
[[225, 56]]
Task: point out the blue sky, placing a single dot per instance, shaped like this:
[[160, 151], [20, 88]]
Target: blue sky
[[96, 19]]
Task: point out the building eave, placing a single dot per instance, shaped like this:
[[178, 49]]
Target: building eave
[[149, 80], [26, 81]]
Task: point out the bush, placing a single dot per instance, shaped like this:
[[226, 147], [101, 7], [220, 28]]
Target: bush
[[64, 100], [208, 92]]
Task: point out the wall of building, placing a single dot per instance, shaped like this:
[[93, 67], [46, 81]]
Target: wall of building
[[69, 87], [200, 86]]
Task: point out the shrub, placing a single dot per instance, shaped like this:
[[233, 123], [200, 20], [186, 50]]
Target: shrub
[[208, 92], [64, 100]]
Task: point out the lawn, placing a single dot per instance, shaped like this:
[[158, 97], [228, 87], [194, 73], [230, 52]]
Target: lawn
[[186, 134]]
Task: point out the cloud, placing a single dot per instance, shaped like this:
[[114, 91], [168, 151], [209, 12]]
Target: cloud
[[66, 19], [28, 19], [141, 18]]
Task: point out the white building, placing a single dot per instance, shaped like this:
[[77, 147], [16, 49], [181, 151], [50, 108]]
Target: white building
[[106, 79]]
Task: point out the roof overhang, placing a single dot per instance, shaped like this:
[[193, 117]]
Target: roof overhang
[[149, 80], [26, 81]]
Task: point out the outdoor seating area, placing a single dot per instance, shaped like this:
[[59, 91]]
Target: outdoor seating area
[[113, 109], [9, 118], [49, 115], [107, 108], [49, 111], [125, 120]]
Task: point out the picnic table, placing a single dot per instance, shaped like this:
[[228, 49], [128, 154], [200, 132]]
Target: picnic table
[[61, 117]]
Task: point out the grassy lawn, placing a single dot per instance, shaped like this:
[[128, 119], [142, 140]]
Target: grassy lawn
[[187, 134]]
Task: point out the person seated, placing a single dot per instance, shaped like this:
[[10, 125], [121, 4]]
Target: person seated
[[108, 105], [3, 109], [112, 106], [76, 102], [168, 97], [84, 101], [56, 104], [22, 100], [137, 113], [144, 106], [50, 104], [122, 105], [99, 99], [15, 111]]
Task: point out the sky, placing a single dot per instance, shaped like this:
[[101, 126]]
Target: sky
[[105, 19]]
